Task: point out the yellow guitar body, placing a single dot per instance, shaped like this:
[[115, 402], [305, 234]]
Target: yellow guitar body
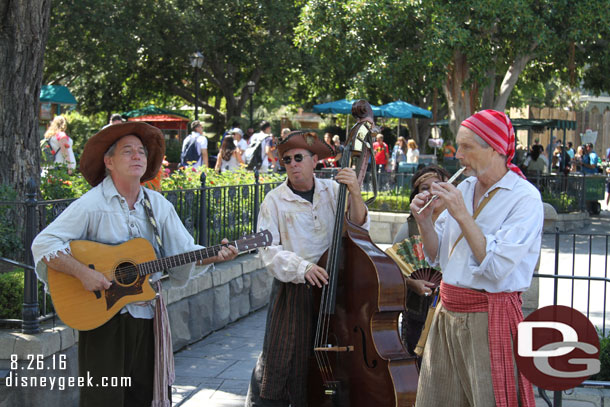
[[85, 310]]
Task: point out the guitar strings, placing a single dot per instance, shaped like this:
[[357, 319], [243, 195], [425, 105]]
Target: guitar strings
[[127, 270]]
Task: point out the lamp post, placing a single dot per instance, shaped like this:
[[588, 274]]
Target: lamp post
[[251, 86], [196, 62]]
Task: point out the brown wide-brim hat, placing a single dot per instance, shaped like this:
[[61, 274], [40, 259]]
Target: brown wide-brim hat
[[92, 160], [307, 140]]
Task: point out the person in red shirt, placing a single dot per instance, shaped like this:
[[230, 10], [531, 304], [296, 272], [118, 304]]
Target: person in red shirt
[[382, 154]]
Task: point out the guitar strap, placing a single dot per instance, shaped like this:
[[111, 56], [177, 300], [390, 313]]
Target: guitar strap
[[164, 374]]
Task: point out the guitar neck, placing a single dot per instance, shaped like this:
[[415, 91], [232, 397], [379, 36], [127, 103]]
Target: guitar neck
[[252, 242]]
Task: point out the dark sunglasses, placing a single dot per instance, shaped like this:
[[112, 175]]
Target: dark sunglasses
[[297, 157]]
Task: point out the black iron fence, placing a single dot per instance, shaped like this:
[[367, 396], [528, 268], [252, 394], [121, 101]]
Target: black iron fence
[[577, 278]]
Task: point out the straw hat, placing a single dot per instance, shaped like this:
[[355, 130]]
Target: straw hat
[[92, 160], [307, 140]]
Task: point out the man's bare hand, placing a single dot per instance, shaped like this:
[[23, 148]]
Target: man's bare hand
[[451, 197], [317, 276], [226, 253], [348, 177], [93, 280], [418, 202]]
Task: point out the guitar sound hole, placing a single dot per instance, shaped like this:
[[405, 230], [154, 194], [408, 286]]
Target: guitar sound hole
[[126, 274]]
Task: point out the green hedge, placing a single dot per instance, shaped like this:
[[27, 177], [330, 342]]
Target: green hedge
[[604, 358], [11, 295]]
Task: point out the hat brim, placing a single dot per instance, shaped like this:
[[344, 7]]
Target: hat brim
[[307, 140], [92, 160]]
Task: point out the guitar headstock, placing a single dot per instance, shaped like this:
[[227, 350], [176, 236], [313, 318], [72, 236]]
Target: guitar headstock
[[254, 241]]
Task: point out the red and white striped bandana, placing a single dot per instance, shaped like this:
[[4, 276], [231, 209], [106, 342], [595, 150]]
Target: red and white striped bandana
[[496, 129]]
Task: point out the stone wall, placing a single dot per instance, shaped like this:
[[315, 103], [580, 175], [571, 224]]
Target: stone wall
[[208, 302], [214, 299]]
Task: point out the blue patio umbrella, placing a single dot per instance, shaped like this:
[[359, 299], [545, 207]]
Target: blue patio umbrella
[[403, 110], [343, 106]]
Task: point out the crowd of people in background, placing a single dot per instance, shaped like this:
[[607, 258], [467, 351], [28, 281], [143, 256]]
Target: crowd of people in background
[[562, 160], [258, 150]]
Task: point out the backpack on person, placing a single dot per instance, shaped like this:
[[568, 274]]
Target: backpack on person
[[191, 153], [253, 157], [48, 153]]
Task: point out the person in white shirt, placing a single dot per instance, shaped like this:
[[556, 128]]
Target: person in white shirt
[[202, 143], [301, 210], [487, 243], [114, 162], [264, 136], [412, 152], [239, 141]]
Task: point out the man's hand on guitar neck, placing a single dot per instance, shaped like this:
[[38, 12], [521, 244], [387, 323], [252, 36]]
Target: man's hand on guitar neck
[[225, 254], [92, 280]]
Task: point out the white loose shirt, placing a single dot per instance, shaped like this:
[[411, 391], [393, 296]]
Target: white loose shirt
[[202, 144], [242, 145], [412, 156], [102, 215], [512, 225], [302, 231]]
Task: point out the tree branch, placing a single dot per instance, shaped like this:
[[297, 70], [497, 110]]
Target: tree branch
[[511, 77]]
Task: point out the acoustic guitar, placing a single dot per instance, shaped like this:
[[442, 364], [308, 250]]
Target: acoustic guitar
[[126, 266]]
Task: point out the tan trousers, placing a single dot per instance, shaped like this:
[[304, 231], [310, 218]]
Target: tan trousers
[[456, 370]]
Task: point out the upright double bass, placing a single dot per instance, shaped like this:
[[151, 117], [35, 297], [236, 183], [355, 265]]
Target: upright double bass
[[359, 359]]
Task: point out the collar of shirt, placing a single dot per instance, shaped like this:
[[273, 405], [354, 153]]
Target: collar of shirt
[[109, 191], [288, 195], [508, 181]]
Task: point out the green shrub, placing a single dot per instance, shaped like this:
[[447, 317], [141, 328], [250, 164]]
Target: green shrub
[[562, 203], [11, 295], [604, 358], [392, 201], [173, 149], [57, 183]]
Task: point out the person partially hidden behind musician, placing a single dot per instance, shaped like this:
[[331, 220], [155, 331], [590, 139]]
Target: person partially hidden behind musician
[[114, 162], [418, 291], [300, 214], [487, 243]]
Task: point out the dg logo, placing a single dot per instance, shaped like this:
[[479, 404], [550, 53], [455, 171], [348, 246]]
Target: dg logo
[[557, 348]]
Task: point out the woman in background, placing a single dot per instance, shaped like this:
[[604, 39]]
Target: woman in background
[[399, 153], [413, 322], [60, 143], [412, 152], [229, 156]]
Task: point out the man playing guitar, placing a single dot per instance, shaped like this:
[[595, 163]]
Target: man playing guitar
[[116, 210]]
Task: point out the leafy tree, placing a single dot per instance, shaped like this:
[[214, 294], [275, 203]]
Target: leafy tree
[[474, 50], [114, 55]]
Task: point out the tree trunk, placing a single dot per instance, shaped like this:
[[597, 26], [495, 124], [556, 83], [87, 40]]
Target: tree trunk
[[510, 79], [459, 100], [23, 35], [489, 91]]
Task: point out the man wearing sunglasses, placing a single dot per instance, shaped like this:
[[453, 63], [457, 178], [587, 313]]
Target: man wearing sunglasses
[[300, 214]]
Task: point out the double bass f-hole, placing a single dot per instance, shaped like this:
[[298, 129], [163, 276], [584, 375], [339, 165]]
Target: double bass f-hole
[[372, 365]]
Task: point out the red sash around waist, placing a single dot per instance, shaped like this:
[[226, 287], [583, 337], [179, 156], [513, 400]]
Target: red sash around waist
[[504, 314]]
